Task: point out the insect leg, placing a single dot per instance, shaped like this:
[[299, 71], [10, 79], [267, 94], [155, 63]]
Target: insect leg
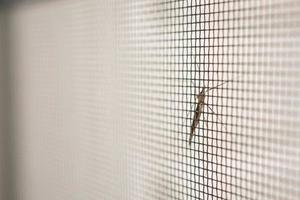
[[195, 98], [217, 85], [216, 116], [191, 110], [206, 122], [190, 139]]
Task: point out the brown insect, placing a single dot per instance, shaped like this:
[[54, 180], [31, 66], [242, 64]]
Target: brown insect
[[199, 109]]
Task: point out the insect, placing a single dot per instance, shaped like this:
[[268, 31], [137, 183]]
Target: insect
[[199, 109]]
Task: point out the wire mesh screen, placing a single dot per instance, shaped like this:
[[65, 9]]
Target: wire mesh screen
[[156, 99], [246, 145]]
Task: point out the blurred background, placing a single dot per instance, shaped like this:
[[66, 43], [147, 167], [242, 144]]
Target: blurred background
[[97, 99]]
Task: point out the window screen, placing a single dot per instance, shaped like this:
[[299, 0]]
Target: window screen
[[105, 96]]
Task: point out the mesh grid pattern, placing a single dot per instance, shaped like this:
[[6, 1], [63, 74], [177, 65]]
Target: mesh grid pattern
[[241, 147], [112, 92]]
